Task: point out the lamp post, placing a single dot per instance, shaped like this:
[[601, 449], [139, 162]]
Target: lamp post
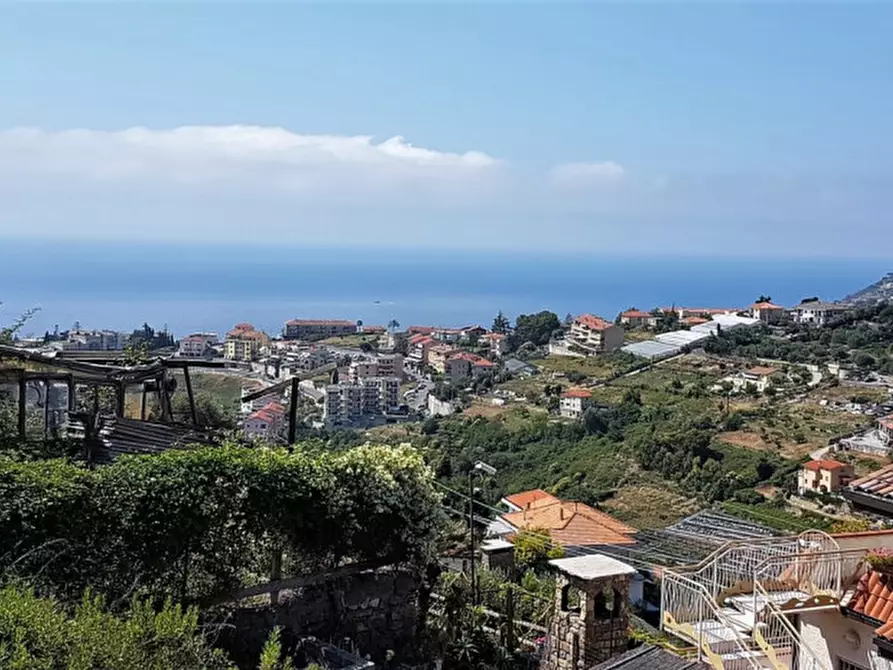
[[479, 468]]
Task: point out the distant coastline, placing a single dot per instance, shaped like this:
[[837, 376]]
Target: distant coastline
[[121, 286]]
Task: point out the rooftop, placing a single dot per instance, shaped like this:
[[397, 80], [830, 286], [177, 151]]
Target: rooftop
[[874, 599], [824, 464], [649, 657], [593, 322], [592, 566], [572, 523], [320, 322], [636, 314], [761, 371], [818, 304], [879, 483], [576, 393], [765, 305], [524, 498]]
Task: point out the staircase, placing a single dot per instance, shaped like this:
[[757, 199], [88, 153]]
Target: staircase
[[735, 606]]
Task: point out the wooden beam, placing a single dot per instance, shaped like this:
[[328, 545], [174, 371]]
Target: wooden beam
[[278, 387], [143, 403], [72, 400], [189, 393], [23, 397], [46, 407], [121, 399], [293, 410]]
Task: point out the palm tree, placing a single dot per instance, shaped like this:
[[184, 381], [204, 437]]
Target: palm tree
[[393, 325]]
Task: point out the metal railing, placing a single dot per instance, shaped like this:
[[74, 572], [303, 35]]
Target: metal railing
[[690, 612], [824, 573], [779, 640]]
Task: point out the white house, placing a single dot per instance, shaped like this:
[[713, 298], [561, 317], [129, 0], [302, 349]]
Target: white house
[[818, 313], [265, 423], [193, 346], [574, 402]]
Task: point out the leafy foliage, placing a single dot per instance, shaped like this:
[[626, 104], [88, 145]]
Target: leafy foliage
[[534, 328], [38, 633], [198, 522], [533, 548]]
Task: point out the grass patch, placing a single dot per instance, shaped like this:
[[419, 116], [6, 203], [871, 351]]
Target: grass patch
[[352, 341], [649, 506]]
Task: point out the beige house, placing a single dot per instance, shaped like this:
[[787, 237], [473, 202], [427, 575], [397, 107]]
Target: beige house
[[824, 476], [595, 334], [438, 355], [767, 312], [243, 343], [760, 376], [637, 318]]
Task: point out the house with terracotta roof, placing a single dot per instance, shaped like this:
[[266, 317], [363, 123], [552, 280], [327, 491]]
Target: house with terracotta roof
[[637, 318], [824, 476], [465, 365], [759, 375], [438, 355], [692, 321], [574, 402], [265, 423], [419, 347], [570, 524], [767, 312], [244, 342], [595, 334], [885, 427]]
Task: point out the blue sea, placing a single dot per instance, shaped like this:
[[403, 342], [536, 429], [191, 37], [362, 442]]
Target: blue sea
[[210, 287]]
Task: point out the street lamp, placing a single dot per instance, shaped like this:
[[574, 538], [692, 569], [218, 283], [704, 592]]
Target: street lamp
[[480, 468]]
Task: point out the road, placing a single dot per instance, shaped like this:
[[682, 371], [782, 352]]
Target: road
[[420, 402]]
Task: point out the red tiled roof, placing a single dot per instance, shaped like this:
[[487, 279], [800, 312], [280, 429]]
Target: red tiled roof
[[421, 339], [636, 314], [424, 330], [824, 464], [525, 498], [572, 523], [319, 322], [694, 320], [765, 305], [878, 483], [243, 326], [873, 598], [593, 322], [761, 371], [576, 393], [493, 336], [374, 329], [193, 338], [484, 363]]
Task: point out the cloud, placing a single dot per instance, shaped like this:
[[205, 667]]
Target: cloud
[[587, 174], [246, 155]]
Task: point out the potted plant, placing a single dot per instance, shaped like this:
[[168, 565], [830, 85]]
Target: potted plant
[[881, 560]]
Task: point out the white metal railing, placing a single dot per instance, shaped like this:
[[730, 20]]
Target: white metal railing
[[690, 612], [779, 640], [825, 573]]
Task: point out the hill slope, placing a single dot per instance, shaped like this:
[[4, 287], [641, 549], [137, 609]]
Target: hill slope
[[879, 291]]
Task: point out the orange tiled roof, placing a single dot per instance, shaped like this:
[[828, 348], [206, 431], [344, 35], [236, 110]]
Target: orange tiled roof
[[525, 498], [593, 322], [765, 305], [761, 371], [695, 320], [636, 314], [874, 599], [576, 393], [320, 322], [824, 464], [878, 483], [572, 523]]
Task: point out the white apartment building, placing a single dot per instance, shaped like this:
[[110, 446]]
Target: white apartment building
[[346, 403], [387, 365], [306, 361], [596, 334]]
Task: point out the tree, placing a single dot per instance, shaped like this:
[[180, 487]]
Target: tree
[[500, 324], [533, 547], [535, 328], [393, 325], [764, 298], [209, 412], [8, 333]]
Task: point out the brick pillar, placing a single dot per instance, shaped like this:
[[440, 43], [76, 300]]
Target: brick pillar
[[589, 631]]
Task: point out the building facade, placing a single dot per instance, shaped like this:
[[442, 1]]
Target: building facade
[[824, 476], [348, 403], [817, 313], [595, 334], [767, 312], [193, 346], [574, 402], [317, 329]]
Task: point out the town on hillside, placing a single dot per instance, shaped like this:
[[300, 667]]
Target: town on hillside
[[669, 486]]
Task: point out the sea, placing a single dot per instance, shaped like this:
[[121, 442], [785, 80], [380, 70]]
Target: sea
[[210, 287]]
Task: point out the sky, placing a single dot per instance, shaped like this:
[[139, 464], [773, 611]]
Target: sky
[[704, 128]]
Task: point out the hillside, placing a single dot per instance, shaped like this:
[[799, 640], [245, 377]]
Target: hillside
[[879, 291]]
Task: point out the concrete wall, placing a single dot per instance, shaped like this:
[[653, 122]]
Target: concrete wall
[[832, 636], [613, 338]]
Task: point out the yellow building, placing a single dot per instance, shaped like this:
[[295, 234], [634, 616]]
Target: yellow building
[[243, 343]]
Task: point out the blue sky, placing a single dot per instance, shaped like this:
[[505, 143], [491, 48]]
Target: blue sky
[[698, 127]]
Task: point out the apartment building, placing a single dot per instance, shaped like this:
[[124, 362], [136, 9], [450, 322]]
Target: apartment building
[[574, 402], [497, 342], [419, 347], [465, 365], [317, 329], [95, 340], [438, 355], [386, 365], [193, 346], [306, 361], [595, 334], [372, 396], [244, 343]]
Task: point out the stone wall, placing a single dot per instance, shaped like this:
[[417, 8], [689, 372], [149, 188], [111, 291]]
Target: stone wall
[[377, 611]]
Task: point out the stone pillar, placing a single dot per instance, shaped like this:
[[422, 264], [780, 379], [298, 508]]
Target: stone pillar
[[591, 617]]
